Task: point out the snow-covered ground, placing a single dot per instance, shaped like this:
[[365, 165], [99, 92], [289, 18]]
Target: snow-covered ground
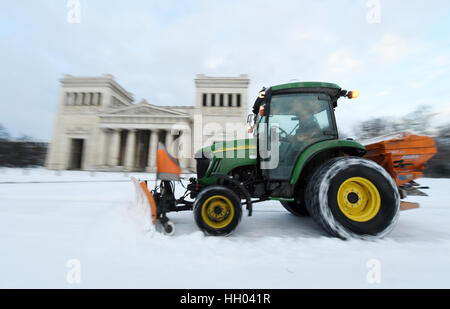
[[45, 225]]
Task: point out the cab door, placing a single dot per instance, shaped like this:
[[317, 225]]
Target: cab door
[[301, 120]]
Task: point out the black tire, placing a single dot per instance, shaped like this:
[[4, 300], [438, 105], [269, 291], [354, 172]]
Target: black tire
[[325, 209], [216, 197], [296, 208]]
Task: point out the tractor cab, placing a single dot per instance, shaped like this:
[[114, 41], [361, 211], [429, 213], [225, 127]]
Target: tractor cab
[[300, 115]]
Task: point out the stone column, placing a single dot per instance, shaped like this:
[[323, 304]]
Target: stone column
[[94, 98], [70, 98], [113, 151], [176, 143], [130, 150], [99, 99], [225, 100], [103, 142], [153, 150], [234, 99], [185, 153], [86, 97], [77, 99], [169, 142], [67, 98]]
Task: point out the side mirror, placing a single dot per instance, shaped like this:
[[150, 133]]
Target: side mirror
[[250, 118]]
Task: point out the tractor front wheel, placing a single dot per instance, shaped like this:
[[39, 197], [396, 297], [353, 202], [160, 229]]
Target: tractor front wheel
[[353, 198], [217, 211]]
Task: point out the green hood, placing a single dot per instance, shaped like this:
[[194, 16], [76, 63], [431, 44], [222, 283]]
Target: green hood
[[227, 156], [237, 149]]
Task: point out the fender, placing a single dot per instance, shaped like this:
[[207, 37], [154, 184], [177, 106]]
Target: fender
[[239, 186], [348, 146]]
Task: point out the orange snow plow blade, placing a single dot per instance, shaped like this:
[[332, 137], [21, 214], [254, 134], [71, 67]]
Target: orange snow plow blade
[[167, 169], [144, 196], [151, 201]]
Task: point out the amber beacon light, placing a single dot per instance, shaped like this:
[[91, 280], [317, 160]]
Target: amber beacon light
[[353, 94]]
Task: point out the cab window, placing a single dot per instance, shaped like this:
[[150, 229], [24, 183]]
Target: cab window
[[303, 119]]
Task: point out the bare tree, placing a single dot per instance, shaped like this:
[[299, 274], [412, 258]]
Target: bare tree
[[439, 165], [420, 120], [373, 128], [4, 134]]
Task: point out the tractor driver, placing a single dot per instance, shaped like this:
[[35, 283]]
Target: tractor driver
[[308, 128], [300, 114]]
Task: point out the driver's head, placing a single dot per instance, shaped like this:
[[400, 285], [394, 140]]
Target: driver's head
[[307, 109]]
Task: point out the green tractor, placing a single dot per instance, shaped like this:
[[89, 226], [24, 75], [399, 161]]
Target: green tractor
[[296, 158]]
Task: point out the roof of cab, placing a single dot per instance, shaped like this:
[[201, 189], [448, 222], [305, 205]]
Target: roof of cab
[[305, 85]]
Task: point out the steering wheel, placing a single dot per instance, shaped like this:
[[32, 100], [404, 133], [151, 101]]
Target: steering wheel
[[283, 132]]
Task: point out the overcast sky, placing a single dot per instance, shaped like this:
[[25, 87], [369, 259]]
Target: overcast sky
[[155, 48]]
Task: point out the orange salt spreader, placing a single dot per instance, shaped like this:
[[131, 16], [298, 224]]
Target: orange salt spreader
[[403, 156]]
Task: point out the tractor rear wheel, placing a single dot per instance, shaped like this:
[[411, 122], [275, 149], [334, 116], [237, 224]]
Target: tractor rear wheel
[[296, 208], [351, 197], [217, 211]]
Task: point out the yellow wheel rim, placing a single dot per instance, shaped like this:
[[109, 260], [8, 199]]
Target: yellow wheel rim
[[359, 199], [217, 211]]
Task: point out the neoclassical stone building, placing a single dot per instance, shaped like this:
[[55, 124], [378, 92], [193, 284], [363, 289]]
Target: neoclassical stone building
[[99, 127]]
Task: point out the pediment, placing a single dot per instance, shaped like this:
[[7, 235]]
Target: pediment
[[144, 108]]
